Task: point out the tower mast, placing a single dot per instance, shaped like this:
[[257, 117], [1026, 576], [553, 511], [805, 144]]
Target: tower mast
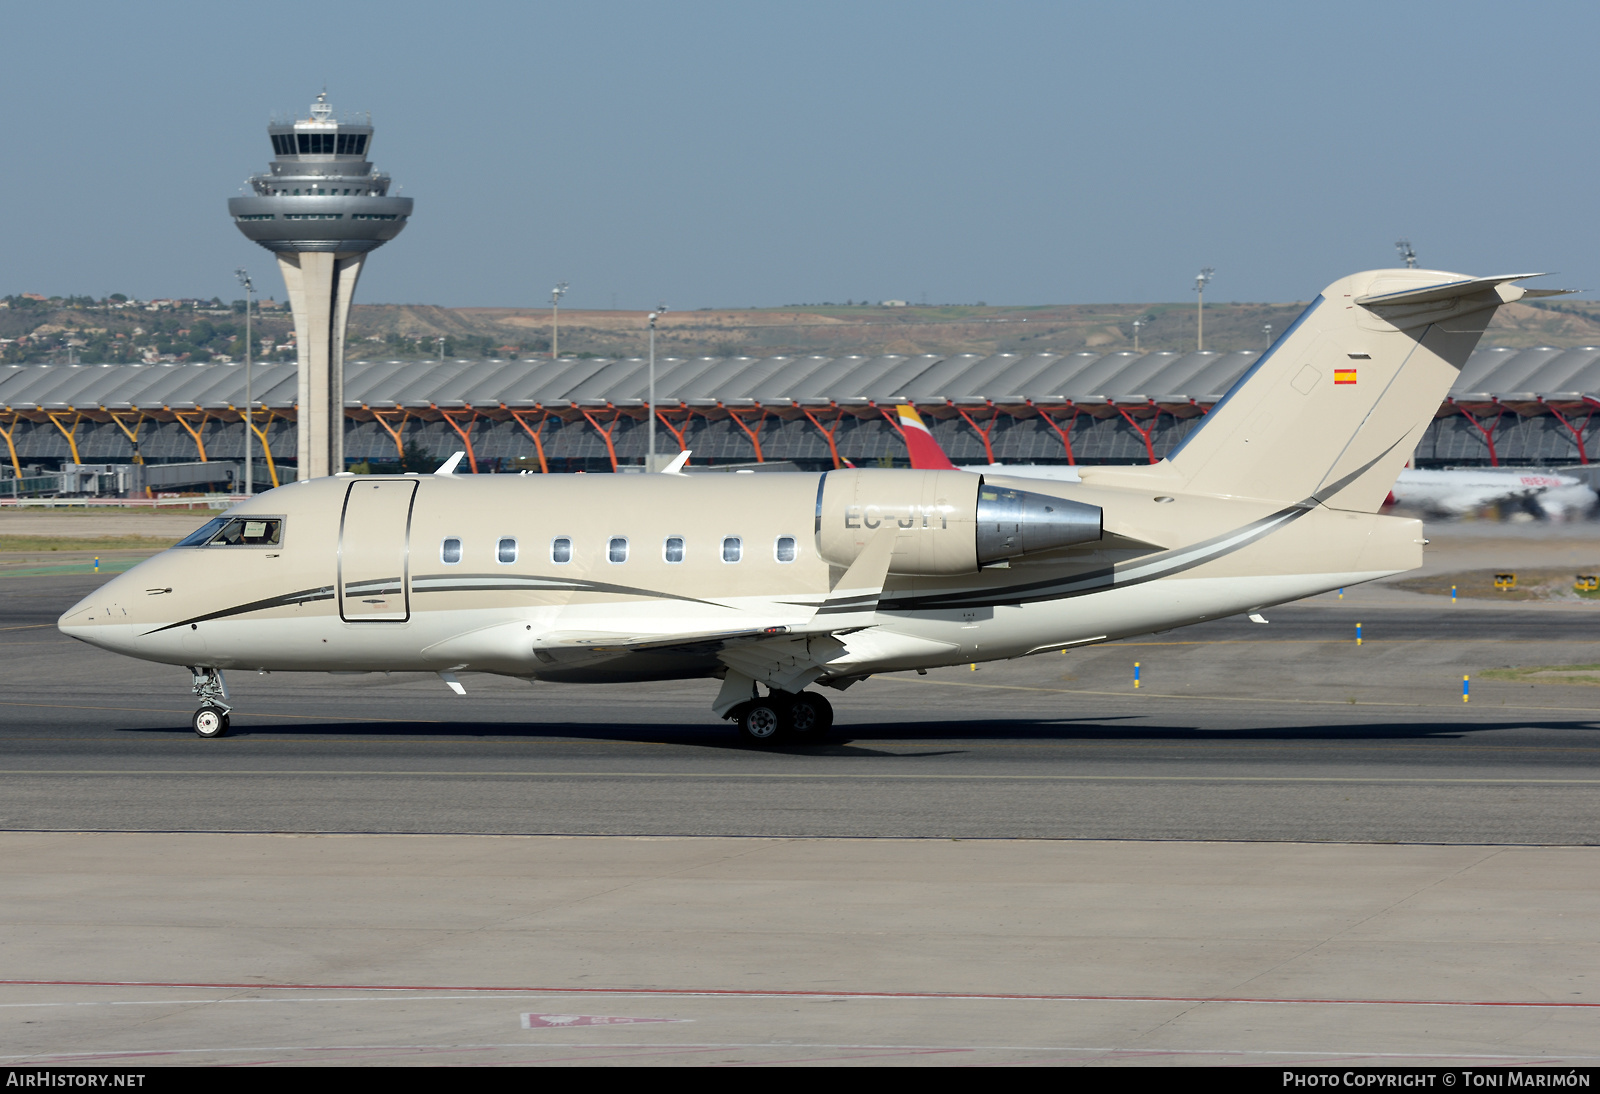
[[320, 208]]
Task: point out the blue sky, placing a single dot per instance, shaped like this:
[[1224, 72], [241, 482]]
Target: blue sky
[[735, 154]]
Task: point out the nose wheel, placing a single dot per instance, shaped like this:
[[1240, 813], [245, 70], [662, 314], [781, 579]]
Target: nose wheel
[[211, 720]]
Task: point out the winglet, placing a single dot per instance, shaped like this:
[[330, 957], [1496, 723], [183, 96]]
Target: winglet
[[925, 451], [449, 466], [676, 466]]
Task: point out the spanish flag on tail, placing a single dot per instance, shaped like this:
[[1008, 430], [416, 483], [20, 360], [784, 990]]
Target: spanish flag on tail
[[926, 455]]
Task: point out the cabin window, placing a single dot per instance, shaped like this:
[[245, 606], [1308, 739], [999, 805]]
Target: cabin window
[[450, 551], [617, 549], [506, 550], [785, 549], [561, 549], [732, 548], [673, 550]]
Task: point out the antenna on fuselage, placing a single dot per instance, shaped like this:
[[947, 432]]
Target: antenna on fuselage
[[449, 466]]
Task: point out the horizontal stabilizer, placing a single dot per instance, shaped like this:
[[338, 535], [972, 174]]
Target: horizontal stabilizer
[[1431, 294]]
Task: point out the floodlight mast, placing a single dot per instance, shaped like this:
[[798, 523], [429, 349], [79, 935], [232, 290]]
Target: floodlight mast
[[1137, 323], [650, 457], [1406, 253], [555, 318], [249, 402], [1200, 281]]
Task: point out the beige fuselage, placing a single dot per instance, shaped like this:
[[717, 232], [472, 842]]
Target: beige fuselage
[[326, 597]]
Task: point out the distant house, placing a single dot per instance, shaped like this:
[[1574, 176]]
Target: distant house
[[891, 303]]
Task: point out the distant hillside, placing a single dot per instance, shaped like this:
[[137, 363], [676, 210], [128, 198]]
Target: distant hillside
[[48, 330], [874, 330]]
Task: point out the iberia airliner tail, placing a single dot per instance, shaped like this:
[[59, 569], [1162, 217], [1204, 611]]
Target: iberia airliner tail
[[925, 451]]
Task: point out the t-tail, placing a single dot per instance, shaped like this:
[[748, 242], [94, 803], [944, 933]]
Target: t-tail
[[1332, 412]]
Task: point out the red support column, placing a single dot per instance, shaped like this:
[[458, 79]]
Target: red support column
[[472, 459], [827, 434], [393, 432], [1577, 433], [1144, 434], [1488, 434], [748, 432], [538, 445], [1064, 434], [983, 434], [605, 434], [677, 434]]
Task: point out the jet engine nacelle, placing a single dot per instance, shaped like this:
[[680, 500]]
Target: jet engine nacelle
[[944, 522]]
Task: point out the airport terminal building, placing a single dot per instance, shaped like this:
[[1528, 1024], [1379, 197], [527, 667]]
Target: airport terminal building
[[1510, 407]]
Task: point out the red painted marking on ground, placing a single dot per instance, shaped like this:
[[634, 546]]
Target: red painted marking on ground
[[566, 1021], [781, 993]]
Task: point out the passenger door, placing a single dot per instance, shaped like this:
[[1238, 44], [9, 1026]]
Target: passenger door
[[374, 551]]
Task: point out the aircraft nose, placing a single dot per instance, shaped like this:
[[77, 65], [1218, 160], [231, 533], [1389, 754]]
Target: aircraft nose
[[95, 619]]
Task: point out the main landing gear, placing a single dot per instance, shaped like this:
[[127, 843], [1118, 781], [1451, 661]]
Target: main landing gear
[[211, 720], [805, 717]]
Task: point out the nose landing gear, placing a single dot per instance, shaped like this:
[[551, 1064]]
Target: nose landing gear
[[211, 720]]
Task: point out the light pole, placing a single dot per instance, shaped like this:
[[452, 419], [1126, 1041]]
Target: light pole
[[249, 412], [1200, 280], [1137, 323], [555, 318], [1406, 253], [650, 459]]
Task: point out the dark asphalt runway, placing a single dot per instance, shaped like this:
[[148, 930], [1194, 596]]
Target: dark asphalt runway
[[1240, 732]]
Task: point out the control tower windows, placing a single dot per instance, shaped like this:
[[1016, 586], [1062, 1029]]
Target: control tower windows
[[351, 144]]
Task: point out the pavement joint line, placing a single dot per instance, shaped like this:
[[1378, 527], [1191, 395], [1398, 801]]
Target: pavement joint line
[[180, 739], [44, 1059], [1343, 640], [1221, 698], [235, 712], [845, 775], [782, 837], [28, 627], [488, 991]]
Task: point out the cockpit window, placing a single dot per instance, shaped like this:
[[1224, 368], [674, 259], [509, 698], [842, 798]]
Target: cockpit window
[[237, 532], [202, 534]]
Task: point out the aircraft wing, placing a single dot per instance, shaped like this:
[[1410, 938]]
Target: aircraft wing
[[787, 657]]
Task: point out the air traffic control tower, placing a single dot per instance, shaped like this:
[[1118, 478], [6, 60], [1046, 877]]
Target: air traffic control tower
[[320, 208]]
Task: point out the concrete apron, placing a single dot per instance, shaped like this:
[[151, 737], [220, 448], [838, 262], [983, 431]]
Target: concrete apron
[[208, 949]]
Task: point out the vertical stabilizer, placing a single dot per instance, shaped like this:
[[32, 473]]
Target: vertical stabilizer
[[1334, 409], [925, 451]]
